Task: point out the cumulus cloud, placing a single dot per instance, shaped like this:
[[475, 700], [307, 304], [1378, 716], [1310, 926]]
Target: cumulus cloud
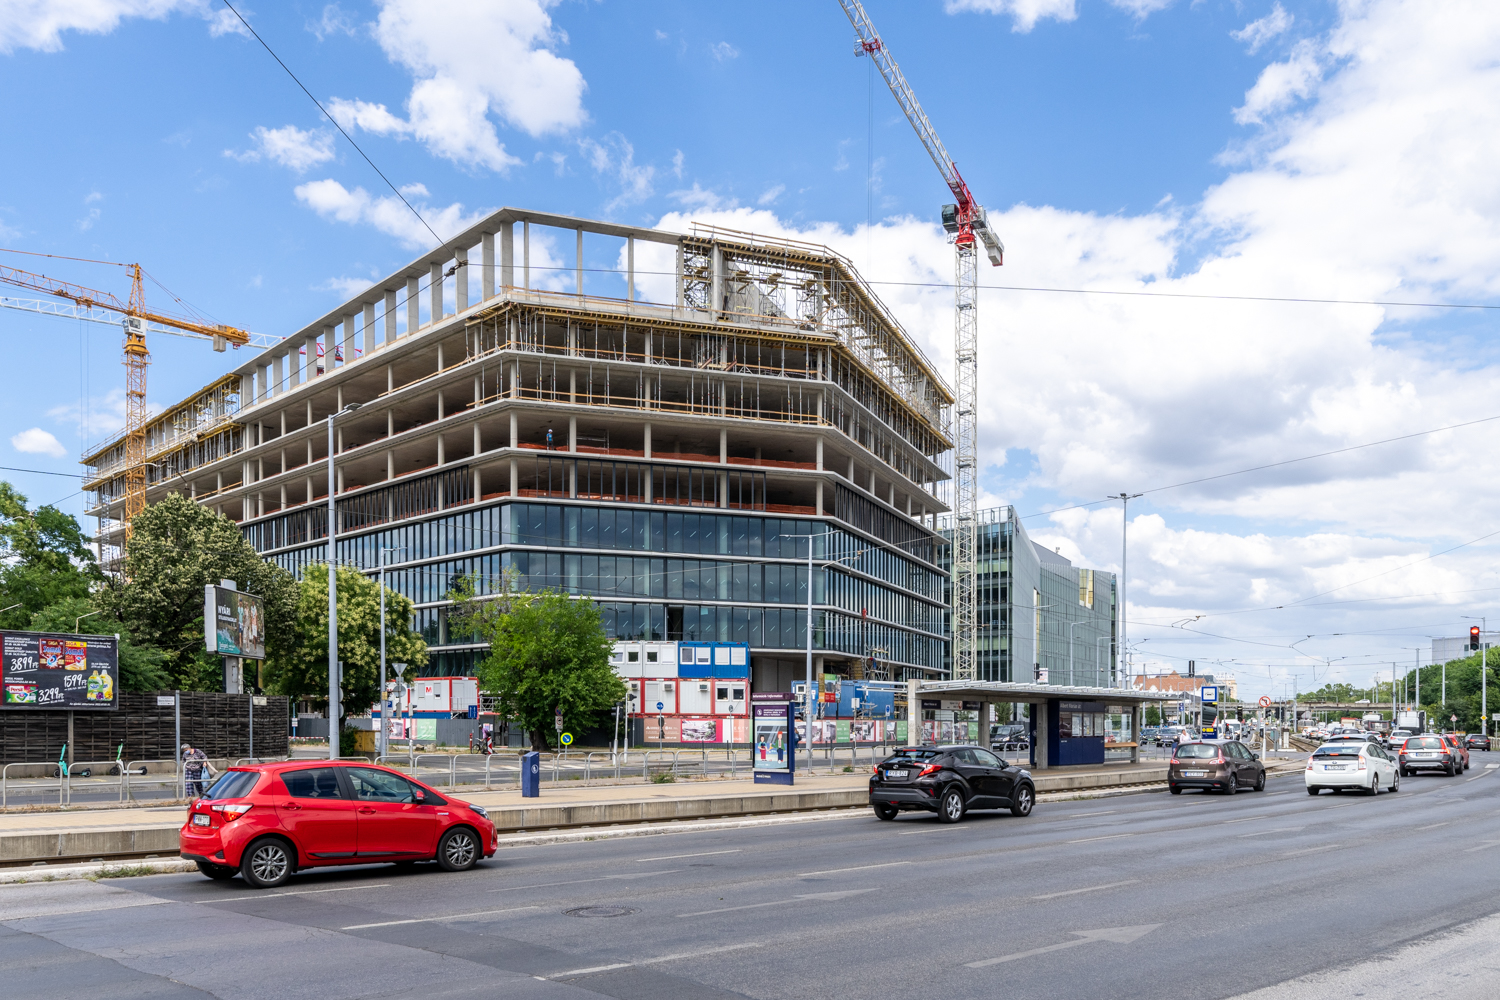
[[388, 214], [289, 146], [1141, 8], [496, 60], [1024, 14], [1281, 83], [1259, 32], [614, 158], [724, 52], [38, 442], [41, 24], [333, 21]]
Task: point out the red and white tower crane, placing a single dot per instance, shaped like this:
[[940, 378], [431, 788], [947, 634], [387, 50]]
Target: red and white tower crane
[[964, 220]]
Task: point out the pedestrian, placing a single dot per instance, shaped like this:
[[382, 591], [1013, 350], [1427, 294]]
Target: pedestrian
[[549, 439], [194, 769]]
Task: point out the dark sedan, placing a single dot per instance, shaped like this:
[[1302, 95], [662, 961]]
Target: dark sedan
[[1477, 741], [1215, 765], [949, 780]]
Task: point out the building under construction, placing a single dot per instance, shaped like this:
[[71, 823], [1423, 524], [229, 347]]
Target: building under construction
[[666, 433]]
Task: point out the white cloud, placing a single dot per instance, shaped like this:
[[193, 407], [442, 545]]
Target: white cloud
[[1141, 8], [1281, 83], [1024, 14], [346, 287], [615, 157], [494, 60], [1259, 32], [388, 214], [289, 146], [724, 52], [101, 418], [697, 198], [38, 442], [677, 164], [770, 195], [41, 24], [334, 20]]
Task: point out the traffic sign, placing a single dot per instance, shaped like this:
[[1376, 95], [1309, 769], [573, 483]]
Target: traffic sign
[[1265, 701], [557, 720], [567, 739], [660, 705], [1208, 693], [1452, 718]]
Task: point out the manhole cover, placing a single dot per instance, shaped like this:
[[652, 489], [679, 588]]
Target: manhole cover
[[600, 911]]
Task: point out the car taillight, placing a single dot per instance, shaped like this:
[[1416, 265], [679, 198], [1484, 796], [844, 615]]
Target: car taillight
[[877, 769], [233, 810], [1362, 762], [929, 769], [1174, 760]]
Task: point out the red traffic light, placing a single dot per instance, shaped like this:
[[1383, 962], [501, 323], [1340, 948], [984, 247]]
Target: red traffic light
[[1473, 636]]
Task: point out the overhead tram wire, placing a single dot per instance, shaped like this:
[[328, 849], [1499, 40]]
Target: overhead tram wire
[[438, 239]]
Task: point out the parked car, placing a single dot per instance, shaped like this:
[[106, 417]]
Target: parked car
[[1429, 753], [1456, 742], [1477, 741], [267, 821], [950, 781], [1011, 736], [1217, 765], [1340, 765]]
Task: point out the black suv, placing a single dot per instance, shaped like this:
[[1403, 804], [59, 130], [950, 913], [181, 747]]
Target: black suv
[[1010, 736], [949, 780]]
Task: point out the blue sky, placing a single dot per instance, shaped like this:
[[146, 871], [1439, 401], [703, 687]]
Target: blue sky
[[1288, 149]]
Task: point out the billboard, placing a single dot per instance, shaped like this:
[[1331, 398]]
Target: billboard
[[51, 670], [234, 623]]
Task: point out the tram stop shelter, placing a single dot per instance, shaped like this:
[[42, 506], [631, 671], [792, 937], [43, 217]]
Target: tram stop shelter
[[1069, 725]]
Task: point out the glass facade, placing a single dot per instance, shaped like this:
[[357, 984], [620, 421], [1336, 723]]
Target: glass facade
[[656, 574]]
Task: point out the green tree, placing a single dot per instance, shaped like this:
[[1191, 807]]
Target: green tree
[[176, 547], [1153, 716], [44, 558], [1465, 698], [548, 652], [303, 674], [141, 667]]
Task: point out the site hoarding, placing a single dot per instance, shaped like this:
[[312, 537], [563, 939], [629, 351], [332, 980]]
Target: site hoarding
[[48, 670], [234, 623]]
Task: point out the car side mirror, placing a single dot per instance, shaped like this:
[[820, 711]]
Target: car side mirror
[[1255, 756], [418, 796]]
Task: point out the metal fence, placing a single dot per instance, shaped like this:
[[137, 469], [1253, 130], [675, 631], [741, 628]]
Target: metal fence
[[122, 780]]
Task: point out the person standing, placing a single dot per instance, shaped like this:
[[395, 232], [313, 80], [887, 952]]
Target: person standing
[[194, 769]]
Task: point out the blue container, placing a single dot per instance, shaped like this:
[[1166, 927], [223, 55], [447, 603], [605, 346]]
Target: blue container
[[531, 775]]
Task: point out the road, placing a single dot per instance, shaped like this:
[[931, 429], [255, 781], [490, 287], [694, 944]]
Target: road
[[1143, 896]]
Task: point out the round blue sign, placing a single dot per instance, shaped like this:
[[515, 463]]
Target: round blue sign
[[567, 739], [660, 705]]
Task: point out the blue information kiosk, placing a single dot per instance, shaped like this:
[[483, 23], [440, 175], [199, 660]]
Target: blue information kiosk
[[774, 737]]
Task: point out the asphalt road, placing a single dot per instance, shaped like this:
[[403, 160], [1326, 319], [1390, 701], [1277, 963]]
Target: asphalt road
[[1142, 896]]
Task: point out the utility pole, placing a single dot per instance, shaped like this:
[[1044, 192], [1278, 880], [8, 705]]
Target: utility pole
[[1124, 499], [333, 589]]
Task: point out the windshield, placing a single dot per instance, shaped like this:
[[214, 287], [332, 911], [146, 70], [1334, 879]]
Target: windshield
[[1424, 743], [233, 785], [1341, 750], [914, 754], [1197, 750]]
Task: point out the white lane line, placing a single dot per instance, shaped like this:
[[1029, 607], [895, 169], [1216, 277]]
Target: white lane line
[[704, 854], [1487, 843], [860, 868], [1090, 840], [1310, 850], [1092, 888], [1432, 826], [1491, 767], [1482, 774], [1107, 812], [94, 909], [653, 961], [294, 892], [439, 920], [934, 829], [580, 881], [1262, 833], [844, 894]]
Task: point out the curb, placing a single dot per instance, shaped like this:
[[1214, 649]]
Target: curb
[[71, 873]]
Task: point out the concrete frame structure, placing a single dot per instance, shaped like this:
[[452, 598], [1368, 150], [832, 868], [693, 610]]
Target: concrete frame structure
[[722, 372]]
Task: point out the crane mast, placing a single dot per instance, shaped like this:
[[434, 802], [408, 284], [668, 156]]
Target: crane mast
[[965, 222]]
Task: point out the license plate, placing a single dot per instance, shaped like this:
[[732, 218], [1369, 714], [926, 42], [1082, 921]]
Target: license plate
[[1193, 774], [1424, 755], [1335, 767], [200, 819], [896, 774]]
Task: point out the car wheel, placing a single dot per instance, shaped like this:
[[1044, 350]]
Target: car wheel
[[268, 863], [886, 812], [1449, 770], [1374, 788], [951, 806], [218, 873], [1260, 781], [1022, 803], [1233, 786], [1175, 789], [459, 850], [1396, 782], [1313, 791]]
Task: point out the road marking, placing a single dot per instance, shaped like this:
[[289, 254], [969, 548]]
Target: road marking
[[1119, 935], [859, 868], [1092, 888], [439, 920], [1487, 843], [1090, 840], [294, 892], [1280, 829], [580, 881], [1433, 826], [1483, 774], [652, 961], [934, 829], [1491, 767], [1107, 812], [705, 854], [844, 894], [1311, 850]]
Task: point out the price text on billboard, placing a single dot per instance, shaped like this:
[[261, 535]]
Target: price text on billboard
[[48, 670]]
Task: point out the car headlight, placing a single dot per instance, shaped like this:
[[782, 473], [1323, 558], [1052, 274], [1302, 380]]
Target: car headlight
[[480, 810]]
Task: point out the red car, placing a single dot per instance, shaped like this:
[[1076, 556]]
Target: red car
[[269, 820]]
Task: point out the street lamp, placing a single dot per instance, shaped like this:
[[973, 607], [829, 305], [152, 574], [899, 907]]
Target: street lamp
[[1071, 627], [383, 742], [1124, 499], [81, 618], [333, 593]]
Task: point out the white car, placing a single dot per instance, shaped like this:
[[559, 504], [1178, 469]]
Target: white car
[[1349, 764]]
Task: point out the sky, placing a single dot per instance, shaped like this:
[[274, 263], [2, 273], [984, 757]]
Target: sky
[[1212, 153]]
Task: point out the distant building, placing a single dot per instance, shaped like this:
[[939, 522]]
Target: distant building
[[1040, 617], [1445, 649]]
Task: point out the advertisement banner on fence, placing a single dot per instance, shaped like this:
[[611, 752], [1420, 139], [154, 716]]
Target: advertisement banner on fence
[[41, 670]]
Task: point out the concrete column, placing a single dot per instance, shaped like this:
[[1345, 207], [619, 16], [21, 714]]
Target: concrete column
[[389, 310], [723, 447], [461, 280], [277, 373], [486, 266], [630, 269], [390, 464], [820, 453], [572, 387], [294, 364], [850, 477], [479, 494], [477, 447], [514, 438], [369, 337], [507, 255], [1135, 732], [573, 479], [647, 430], [716, 303], [442, 454], [526, 255], [413, 306], [329, 339], [1039, 742], [573, 434], [441, 412], [892, 498], [908, 505], [723, 489], [350, 340], [578, 263], [435, 292], [819, 506], [872, 482], [515, 481], [913, 714]]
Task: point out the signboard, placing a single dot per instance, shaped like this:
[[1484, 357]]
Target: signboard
[[234, 623], [1265, 701], [771, 755], [166, 700], [1208, 693], [52, 670], [566, 739]]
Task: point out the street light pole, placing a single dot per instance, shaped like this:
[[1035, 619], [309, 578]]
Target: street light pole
[[333, 593], [1124, 499]]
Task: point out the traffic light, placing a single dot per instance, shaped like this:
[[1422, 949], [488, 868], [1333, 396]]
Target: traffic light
[[1473, 636]]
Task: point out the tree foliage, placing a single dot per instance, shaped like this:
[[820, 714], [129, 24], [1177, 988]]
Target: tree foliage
[[548, 652], [176, 547], [141, 667], [44, 559], [303, 674], [1465, 698]]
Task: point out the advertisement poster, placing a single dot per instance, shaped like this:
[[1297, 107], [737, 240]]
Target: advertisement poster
[[700, 731], [234, 623], [770, 752], [47, 670], [863, 730]]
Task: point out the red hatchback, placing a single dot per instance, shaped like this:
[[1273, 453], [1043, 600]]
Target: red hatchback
[[270, 820]]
